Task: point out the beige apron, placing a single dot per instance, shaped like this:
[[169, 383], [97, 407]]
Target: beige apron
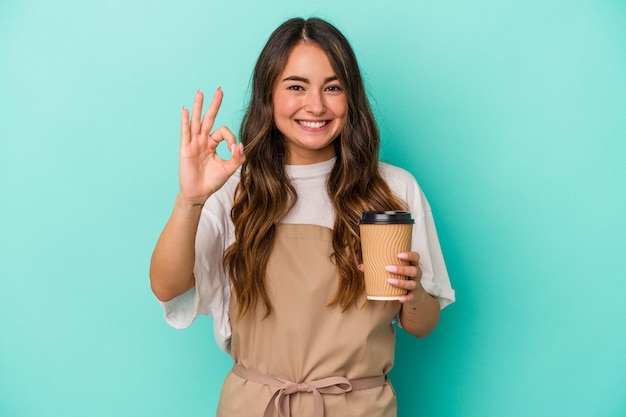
[[304, 341]]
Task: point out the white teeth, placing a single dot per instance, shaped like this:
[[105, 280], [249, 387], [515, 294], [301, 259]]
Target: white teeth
[[313, 125]]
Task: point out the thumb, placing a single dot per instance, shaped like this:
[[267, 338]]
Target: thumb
[[237, 157]]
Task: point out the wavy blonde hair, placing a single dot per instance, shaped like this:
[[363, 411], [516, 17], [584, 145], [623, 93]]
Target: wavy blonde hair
[[265, 195]]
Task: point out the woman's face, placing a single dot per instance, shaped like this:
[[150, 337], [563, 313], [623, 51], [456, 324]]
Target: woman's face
[[309, 105]]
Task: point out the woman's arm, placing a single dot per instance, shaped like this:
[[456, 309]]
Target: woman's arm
[[171, 266], [202, 172]]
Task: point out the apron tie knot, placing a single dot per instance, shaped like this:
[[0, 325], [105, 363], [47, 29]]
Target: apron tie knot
[[333, 385]]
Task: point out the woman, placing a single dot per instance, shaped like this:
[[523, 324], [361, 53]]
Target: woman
[[267, 242]]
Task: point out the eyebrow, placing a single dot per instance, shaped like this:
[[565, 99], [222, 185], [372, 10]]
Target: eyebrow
[[306, 80]]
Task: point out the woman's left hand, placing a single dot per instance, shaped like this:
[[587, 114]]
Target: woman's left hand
[[412, 272], [420, 311]]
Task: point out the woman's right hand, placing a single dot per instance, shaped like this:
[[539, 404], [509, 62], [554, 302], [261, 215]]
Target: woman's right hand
[[202, 171]]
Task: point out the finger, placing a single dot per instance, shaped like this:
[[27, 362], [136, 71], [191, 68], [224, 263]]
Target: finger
[[410, 271], [417, 290], [405, 284], [196, 112], [409, 285], [223, 133], [412, 257], [238, 157], [185, 135], [236, 150], [211, 114], [360, 267], [406, 298]]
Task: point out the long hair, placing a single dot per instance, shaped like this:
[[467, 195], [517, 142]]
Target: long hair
[[264, 194]]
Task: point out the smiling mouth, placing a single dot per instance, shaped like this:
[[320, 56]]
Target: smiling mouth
[[313, 125]]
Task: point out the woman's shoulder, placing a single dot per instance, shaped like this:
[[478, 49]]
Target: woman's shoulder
[[394, 175], [403, 184]]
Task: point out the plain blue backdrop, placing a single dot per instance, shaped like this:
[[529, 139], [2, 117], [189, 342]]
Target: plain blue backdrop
[[511, 115]]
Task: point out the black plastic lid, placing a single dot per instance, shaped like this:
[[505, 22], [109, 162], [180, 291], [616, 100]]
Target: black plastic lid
[[386, 217]]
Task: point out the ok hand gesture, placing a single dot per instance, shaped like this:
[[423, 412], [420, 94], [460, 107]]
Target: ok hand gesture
[[202, 171]]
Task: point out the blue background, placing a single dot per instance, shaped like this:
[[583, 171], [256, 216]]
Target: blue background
[[511, 114]]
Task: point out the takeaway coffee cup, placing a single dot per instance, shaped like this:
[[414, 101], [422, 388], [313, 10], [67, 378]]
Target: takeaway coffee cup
[[384, 234]]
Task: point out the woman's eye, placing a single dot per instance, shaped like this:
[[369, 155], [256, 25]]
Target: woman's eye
[[334, 88], [295, 88]]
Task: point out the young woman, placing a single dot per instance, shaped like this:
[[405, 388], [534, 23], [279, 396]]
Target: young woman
[[267, 242]]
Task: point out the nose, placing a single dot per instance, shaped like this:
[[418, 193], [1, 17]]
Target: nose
[[314, 103]]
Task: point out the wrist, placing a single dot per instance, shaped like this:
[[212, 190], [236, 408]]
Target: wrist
[[186, 203]]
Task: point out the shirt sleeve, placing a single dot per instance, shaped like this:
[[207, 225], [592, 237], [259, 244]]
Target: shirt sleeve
[[435, 279], [425, 241], [211, 294]]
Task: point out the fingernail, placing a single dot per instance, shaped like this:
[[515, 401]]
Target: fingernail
[[391, 268], [393, 281], [403, 255], [231, 148], [402, 298]]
